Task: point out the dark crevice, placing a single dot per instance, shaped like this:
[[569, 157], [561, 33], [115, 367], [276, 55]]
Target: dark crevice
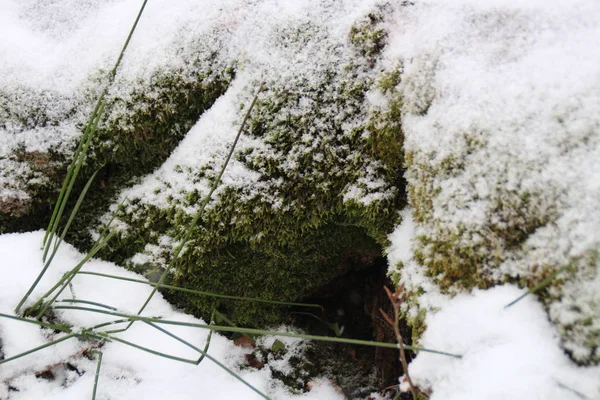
[[351, 305]]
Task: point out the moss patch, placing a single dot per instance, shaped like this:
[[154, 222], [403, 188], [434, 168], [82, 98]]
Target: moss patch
[[330, 184]]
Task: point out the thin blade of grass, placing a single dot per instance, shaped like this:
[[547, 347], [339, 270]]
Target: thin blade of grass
[[252, 331], [52, 343], [79, 157], [97, 374], [67, 278], [91, 303], [101, 241], [211, 358], [75, 210], [105, 336], [54, 227], [69, 175], [109, 323], [93, 121], [199, 292], [537, 287], [61, 327], [57, 244]]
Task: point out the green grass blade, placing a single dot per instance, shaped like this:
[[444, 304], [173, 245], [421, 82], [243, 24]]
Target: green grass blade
[[52, 343], [105, 232], [204, 353], [67, 179], [75, 210], [105, 336], [58, 216], [67, 278], [205, 201], [252, 331], [205, 349], [58, 327], [91, 303], [200, 293], [97, 374], [33, 286], [80, 158], [109, 323], [56, 246], [537, 287], [88, 133]]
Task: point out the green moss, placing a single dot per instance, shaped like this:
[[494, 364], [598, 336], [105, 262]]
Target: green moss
[[41, 184], [368, 36], [137, 134], [141, 138], [386, 138], [297, 229], [460, 256]]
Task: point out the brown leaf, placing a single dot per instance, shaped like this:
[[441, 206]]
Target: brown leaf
[[244, 341], [253, 362]]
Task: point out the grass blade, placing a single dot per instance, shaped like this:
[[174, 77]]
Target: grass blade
[[67, 278], [68, 177], [91, 303], [97, 374], [199, 292], [252, 331], [75, 210], [105, 336], [78, 159], [205, 201], [537, 287], [52, 343], [61, 327], [204, 353]]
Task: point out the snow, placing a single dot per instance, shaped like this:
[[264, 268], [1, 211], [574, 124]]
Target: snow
[[512, 89], [79, 41], [411, 274], [501, 119], [507, 353], [126, 372], [209, 141]]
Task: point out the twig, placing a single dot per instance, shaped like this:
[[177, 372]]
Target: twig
[[396, 299]]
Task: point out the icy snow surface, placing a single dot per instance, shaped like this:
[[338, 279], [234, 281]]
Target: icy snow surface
[[126, 373]]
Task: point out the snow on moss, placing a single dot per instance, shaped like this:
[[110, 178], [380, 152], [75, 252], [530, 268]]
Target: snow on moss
[[306, 172], [502, 141]]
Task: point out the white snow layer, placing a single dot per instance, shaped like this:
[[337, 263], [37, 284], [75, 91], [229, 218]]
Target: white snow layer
[[501, 115], [507, 353], [512, 89], [126, 372], [53, 54]]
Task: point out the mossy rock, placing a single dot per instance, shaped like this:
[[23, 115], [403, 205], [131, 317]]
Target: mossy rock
[[137, 133], [325, 192], [474, 232]]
